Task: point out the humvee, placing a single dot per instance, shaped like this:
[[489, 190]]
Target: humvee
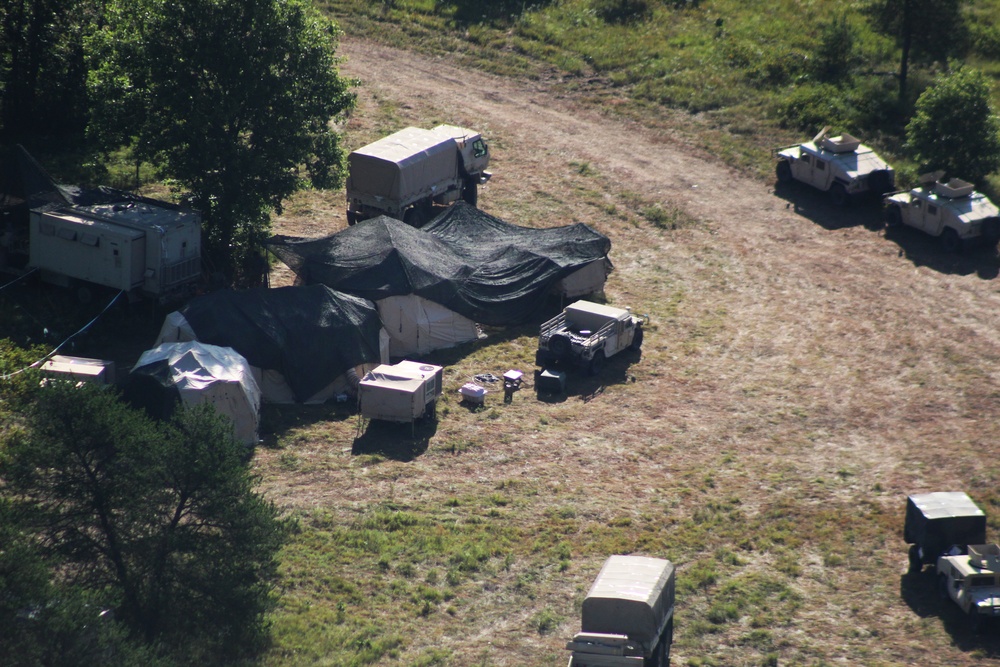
[[585, 334], [972, 581], [952, 211], [841, 165]]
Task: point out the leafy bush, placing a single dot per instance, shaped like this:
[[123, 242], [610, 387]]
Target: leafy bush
[[622, 11]]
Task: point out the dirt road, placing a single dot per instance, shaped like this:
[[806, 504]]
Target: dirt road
[[797, 355]]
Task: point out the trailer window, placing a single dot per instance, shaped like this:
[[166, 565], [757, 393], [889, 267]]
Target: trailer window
[[68, 234], [90, 239]]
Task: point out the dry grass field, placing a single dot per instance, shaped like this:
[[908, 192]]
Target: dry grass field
[[802, 373]]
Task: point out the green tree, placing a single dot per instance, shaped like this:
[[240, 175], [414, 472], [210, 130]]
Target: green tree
[[835, 56], [923, 30], [42, 66], [159, 522], [234, 99], [955, 128]]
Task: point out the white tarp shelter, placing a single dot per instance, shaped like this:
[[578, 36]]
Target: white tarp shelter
[[207, 374], [417, 326]]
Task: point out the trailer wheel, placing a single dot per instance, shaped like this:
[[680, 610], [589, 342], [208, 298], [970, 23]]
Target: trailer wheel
[[880, 181]]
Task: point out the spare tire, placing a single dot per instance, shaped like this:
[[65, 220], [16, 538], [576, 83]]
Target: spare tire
[[559, 345]]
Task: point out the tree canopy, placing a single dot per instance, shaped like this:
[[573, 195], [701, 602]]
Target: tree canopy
[[157, 522], [955, 128], [234, 99], [923, 29]]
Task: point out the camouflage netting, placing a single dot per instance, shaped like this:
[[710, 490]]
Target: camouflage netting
[[311, 335], [477, 265]]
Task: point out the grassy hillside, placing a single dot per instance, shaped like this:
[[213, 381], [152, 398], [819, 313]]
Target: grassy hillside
[[744, 75]]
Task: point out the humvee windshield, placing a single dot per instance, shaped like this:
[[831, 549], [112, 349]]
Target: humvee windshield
[[980, 581], [479, 148]]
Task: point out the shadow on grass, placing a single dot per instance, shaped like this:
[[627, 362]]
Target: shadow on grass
[[923, 250], [398, 442], [277, 420], [585, 387], [816, 206], [920, 593]]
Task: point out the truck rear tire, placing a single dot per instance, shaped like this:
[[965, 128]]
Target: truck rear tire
[[415, 216], [893, 217], [880, 182], [470, 192], [352, 218]]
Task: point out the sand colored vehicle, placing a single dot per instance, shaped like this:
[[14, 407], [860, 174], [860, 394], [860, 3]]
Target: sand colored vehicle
[[406, 174], [972, 581], [586, 334], [627, 619], [950, 210], [840, 165]]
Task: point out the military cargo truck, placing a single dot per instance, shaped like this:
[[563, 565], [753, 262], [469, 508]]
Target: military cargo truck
[[952, 211], [405, 174], [627, 618]]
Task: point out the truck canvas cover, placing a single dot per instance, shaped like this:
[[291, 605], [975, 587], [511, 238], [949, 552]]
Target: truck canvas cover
[[396, 166], [479, 266], [631, 596]]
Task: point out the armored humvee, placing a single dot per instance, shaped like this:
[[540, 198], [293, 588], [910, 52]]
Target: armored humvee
[[972, 581], [841, 165], [952, 211]]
